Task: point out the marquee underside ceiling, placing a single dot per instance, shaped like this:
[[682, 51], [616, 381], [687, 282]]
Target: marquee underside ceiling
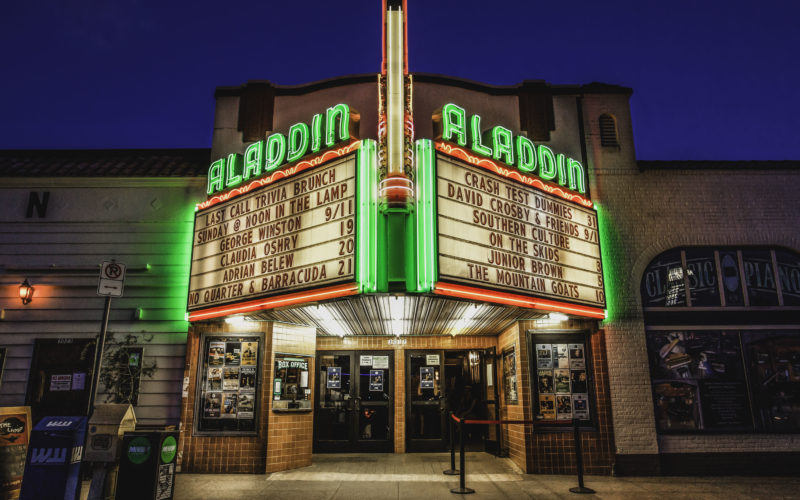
[[385, 314]]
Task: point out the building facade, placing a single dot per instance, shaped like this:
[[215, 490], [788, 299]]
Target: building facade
[[357, 257]]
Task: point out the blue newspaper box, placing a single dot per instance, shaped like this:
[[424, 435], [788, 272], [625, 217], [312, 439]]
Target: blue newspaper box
[[52, 468]]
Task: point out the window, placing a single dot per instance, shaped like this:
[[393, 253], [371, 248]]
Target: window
[[608, 130], [725, 355], [228, 385]]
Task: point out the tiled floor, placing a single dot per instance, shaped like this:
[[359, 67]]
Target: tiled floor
[[418, 475]]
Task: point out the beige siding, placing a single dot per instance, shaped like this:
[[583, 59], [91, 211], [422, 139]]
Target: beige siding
[[144, 223]]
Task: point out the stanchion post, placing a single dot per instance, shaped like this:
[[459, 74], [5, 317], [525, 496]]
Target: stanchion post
[[579, 459], [452, 471], [462, 488]]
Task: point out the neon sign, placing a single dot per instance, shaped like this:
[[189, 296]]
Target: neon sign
[[499, 144], [264, 157]]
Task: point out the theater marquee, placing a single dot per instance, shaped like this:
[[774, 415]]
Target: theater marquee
[[495, 232]]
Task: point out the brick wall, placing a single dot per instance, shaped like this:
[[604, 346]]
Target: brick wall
[[514, 435], [647, 212], [553, 452], [228, 454], [290, 435]]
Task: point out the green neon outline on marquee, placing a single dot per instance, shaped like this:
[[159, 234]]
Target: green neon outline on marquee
[[547, 163], [231, 166], [216, 176], [301, 148], [425, 215], [253, 160], [366, 265], [477, 144], [570, 172], [503, 144], [275, 158], [342, 111], [526, 149], [455, 126], [316, 133]]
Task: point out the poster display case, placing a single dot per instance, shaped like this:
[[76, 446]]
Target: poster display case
[[228, 385], [561, 381]]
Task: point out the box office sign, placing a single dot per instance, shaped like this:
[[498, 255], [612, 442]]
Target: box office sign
[[497, 233], [290, 235]]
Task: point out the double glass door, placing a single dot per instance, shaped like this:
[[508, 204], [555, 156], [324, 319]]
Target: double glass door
[[438, 382], [354, 410]]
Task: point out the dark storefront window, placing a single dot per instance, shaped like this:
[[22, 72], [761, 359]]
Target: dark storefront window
[[561, 383], [663, 284], [759, 276], [701, 271], [228, 384], [741, 377]]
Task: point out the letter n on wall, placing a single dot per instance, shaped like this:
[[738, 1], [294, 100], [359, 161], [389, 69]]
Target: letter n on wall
[[38, 203]]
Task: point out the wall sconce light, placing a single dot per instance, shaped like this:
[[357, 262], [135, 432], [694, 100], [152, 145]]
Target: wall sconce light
[[26, 292]]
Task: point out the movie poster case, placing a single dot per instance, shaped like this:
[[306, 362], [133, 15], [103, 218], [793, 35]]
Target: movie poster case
[[561, 379], [228, 385]]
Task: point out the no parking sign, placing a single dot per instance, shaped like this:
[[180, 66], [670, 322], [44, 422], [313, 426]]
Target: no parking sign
[[112, 276]]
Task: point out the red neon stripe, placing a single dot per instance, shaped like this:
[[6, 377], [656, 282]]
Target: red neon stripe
[[273, 302], [468, 292], [298, 167], [461, 154]]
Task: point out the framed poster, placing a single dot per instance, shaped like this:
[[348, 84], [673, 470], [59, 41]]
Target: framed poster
[[229, 375], [562, 380], [376, 380], [334, 377], [510, 376], [426, 377]]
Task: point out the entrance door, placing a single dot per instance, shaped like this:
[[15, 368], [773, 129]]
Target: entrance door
[[60, 377], [426, 421], [463, 382], [354, 410]]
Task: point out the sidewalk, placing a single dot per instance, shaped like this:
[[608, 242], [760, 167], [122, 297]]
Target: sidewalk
[[419, 475]]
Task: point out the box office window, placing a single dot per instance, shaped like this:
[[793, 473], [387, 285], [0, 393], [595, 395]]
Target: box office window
[[228, 385], [561, 380], [290, 384]]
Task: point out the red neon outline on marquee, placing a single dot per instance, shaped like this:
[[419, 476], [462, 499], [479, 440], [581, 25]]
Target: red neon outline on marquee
[[468, 292], [461, 154], [279, 301], [298, 167]]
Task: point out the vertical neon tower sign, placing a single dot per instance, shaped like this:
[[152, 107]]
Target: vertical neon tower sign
[[395, 129]]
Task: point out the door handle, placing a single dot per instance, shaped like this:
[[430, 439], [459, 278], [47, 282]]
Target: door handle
[[442, 404], [356, 404]]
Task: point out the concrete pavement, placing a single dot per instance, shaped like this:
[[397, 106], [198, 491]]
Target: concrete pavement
[[419, 475]]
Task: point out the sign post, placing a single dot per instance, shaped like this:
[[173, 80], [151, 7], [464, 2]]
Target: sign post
[[112, 278]]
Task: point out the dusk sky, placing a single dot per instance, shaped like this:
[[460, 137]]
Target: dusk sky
[[712, 80]]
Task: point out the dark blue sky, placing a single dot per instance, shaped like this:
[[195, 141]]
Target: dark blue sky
[[711, 79]]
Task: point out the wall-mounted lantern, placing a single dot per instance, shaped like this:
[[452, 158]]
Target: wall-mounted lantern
[[26, 292]]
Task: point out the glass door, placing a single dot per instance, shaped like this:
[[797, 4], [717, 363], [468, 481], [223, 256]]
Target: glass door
[[354, 410], [375, 402], [334, 425], [426, 421]]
